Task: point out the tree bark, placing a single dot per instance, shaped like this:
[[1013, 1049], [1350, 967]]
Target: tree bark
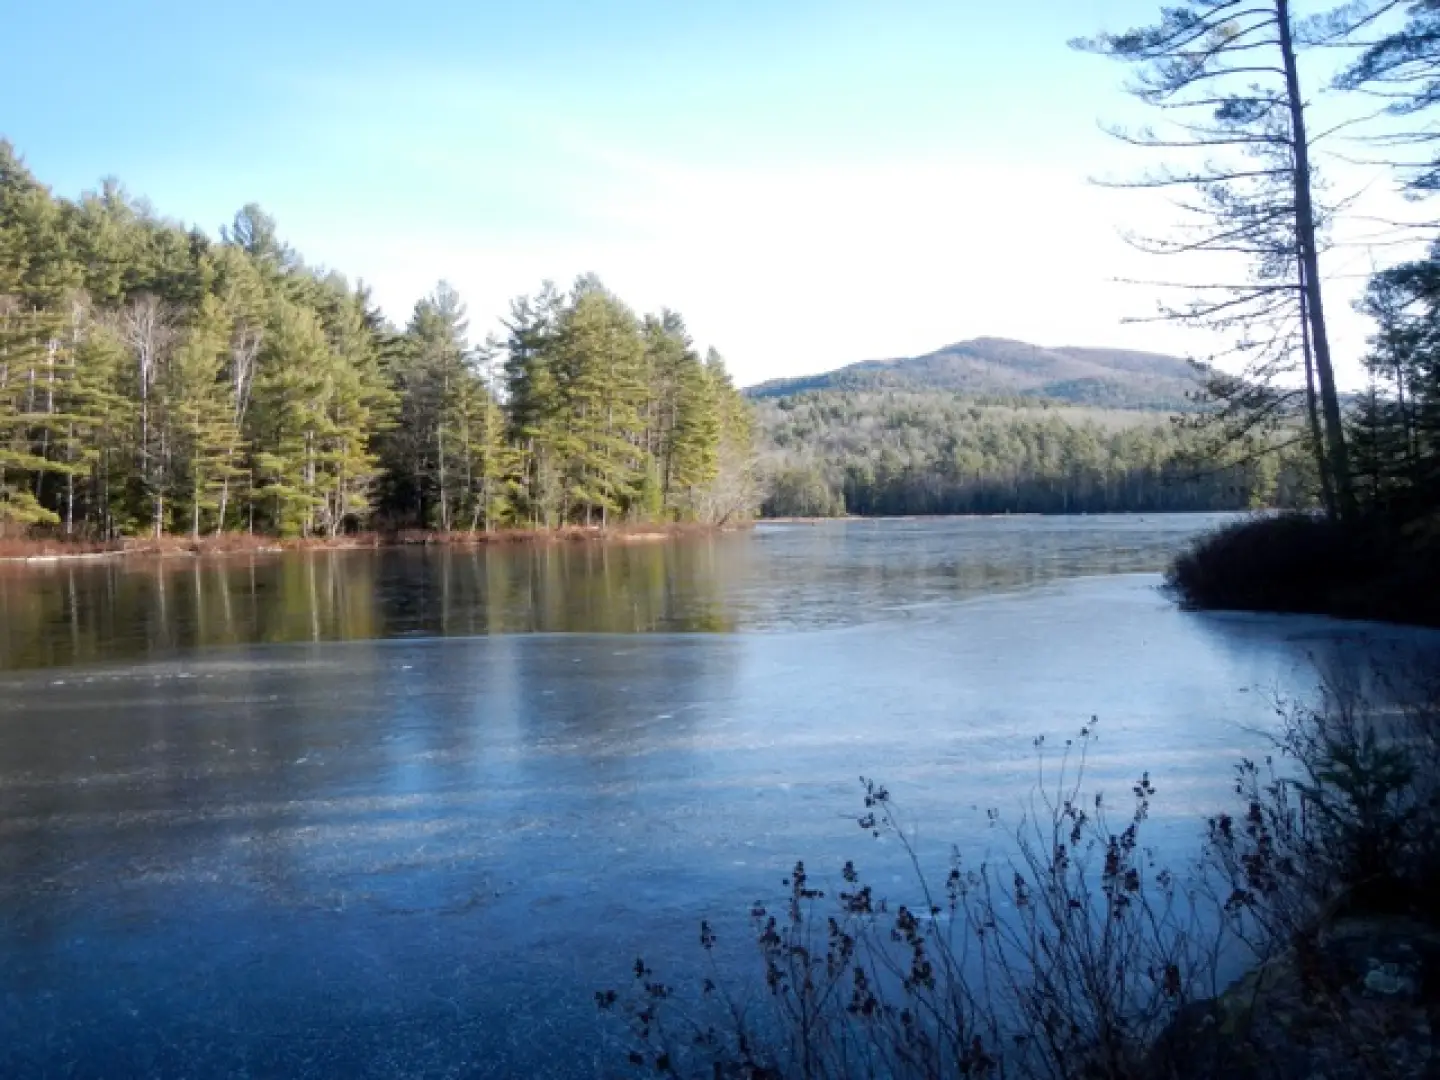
[[1310, 270], [1312, 412]]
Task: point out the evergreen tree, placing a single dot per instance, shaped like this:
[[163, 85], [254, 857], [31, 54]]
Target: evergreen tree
[[290, 418], [598, 367], [242, 291], [26, 347], [105, 411], [361, 407], [667, 352], [489, 465], [204, 435], [533, 400], [695, 445], [153, 381]]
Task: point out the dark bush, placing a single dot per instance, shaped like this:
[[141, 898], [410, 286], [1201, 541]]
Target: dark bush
[[1307, 564]]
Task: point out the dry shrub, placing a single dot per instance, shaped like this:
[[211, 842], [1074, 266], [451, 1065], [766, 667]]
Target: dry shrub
[[1069, 959], [1077, 957]]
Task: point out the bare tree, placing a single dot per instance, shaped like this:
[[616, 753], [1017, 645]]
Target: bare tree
[[147, 325], [245, 343]]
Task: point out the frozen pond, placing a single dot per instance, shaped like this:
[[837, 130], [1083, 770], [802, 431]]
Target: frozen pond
[[402, 813]]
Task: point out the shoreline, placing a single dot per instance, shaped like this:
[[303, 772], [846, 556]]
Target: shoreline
[[1003, 515], [27, 552]]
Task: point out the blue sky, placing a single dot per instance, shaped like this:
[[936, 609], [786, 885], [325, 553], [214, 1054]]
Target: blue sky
[[808, 183]]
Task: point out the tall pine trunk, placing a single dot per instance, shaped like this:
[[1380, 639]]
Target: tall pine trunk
[[1312, 413], [1336, 449]]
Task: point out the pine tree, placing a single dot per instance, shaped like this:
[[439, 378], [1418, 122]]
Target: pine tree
[[599, 369], [100, 398], [668, 356], [26, 338], [732, 493], [489, 465], [1229, 74], [426, 369], [533, 400], [360, 405], [152, 380], [37, 277], [107, 234], [695, 442], [290, 418], [205, 435]]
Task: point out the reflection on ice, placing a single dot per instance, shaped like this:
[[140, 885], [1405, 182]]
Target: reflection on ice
[[399, 857], [776, 578]]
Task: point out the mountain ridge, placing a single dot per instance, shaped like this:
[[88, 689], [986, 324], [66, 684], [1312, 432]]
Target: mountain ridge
[[1005, 367]]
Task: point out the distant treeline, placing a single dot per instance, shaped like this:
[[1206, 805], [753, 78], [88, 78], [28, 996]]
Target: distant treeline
[[893, 452], [153, 380]]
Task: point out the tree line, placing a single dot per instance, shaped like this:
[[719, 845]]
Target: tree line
[[154, 381], [899, 452], [1234, 87], [1271, 427]]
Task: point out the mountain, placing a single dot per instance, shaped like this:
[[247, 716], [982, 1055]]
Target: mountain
[[999, 367]]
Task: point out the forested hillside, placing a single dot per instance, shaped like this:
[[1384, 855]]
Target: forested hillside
[[155, 380], [938, 452], [999, 367]]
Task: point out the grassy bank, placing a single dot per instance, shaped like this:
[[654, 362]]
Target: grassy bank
[[1306, 564], [47, 549]]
